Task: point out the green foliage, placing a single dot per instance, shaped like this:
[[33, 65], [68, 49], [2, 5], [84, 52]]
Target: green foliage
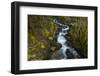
[[79, 35], [41, 32]]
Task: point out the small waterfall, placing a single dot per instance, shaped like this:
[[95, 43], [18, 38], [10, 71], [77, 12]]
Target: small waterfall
[[63, 41]]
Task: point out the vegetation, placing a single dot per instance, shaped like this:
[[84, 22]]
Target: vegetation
[[79, 36], [42, 36]]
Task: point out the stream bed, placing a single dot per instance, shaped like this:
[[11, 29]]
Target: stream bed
[[65, 52]]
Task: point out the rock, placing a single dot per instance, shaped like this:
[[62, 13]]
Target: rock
[[69, 54], [57, 55], [72, 54], [58, 46], [53, 48]]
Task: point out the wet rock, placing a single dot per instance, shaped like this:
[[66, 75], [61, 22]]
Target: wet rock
[[72, 54], [69, 54]]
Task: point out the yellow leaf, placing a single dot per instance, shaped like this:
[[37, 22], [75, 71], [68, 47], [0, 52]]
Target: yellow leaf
[[33, 38], [50, 38], [42, 46], [47, 32]]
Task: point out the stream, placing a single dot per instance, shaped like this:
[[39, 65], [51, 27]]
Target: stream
[[65, 50]]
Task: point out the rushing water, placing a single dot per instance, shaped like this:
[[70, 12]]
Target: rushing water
[[63, 41]]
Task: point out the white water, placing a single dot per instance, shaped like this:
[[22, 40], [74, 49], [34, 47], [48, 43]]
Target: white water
[[63, 41]]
